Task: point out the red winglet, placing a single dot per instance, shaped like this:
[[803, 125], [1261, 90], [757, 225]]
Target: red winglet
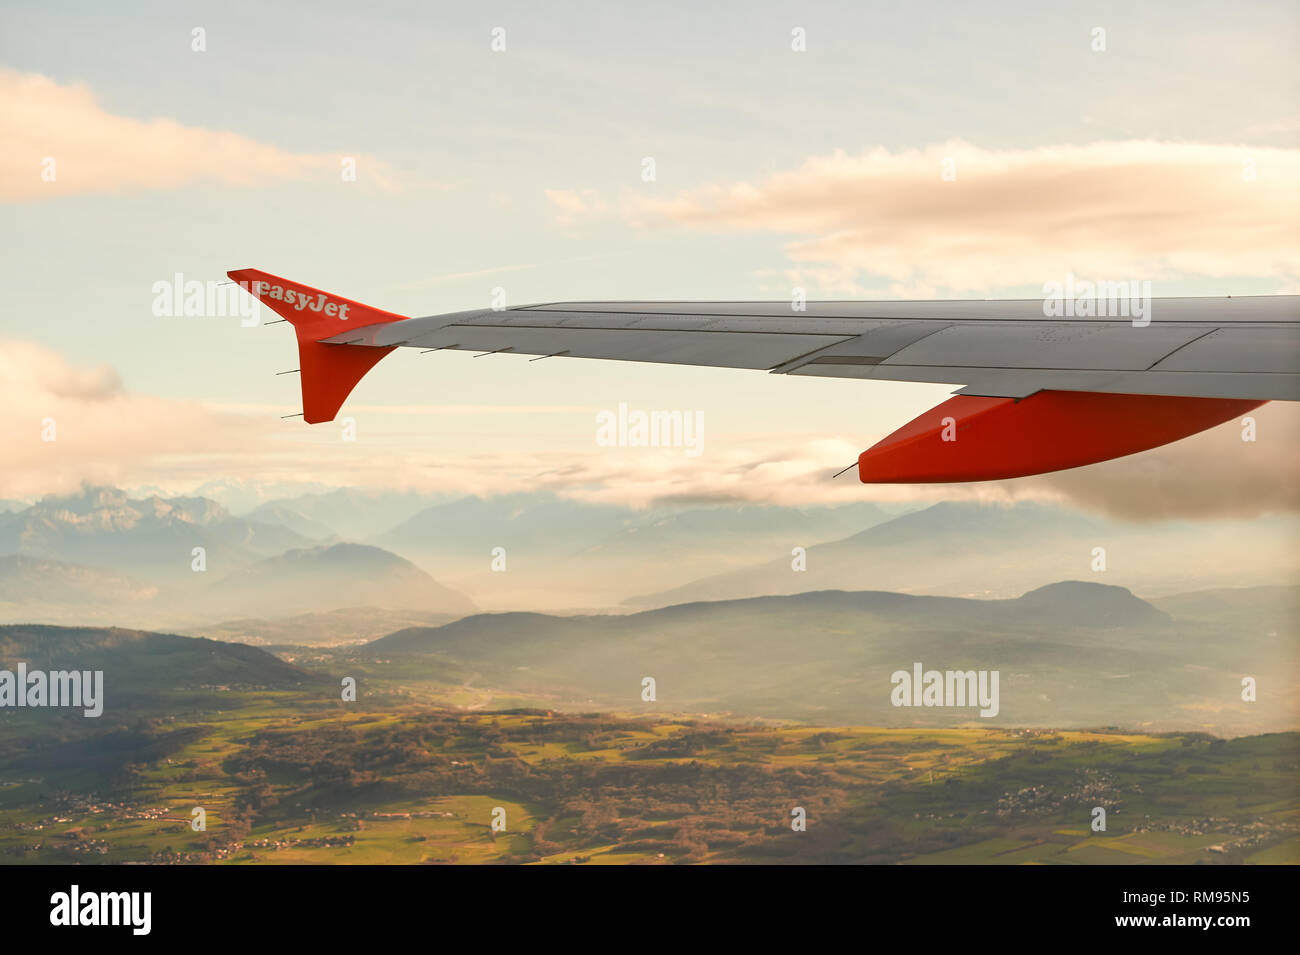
[[970, 438], [328, 372]]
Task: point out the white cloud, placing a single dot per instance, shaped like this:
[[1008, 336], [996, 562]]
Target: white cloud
[[886, 222], [97, 152], [1214, 473], [102, 433], [108, 435], [573, 207]]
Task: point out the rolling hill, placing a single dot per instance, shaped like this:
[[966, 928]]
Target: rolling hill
[[144, 671], [1069, 654]]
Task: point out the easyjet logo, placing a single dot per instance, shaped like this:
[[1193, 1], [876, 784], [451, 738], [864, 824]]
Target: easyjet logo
[[301, 301]]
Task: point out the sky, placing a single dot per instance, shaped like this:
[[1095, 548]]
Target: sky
[[1166, 147]]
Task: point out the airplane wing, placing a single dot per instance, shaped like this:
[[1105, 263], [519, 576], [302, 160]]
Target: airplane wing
[[1038, 393]]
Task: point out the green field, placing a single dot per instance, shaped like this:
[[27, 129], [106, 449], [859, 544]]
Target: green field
[[282, 781]]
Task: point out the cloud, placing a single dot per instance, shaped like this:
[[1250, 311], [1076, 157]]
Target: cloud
[[1212, 474], [573, 207], [105, 434], [96, 152], [888, 222], [100, 432]]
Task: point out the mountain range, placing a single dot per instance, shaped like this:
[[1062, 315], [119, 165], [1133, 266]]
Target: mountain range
[[153, 536], [1072, 653], [994, 550], [312, 578], [1067, 655], [105, 557]]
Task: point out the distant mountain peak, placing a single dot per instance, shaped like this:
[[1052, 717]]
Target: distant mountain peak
[[328, 576], [111, 506], [153, 537], [1093, 603], [91, 497], [343, 552]]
